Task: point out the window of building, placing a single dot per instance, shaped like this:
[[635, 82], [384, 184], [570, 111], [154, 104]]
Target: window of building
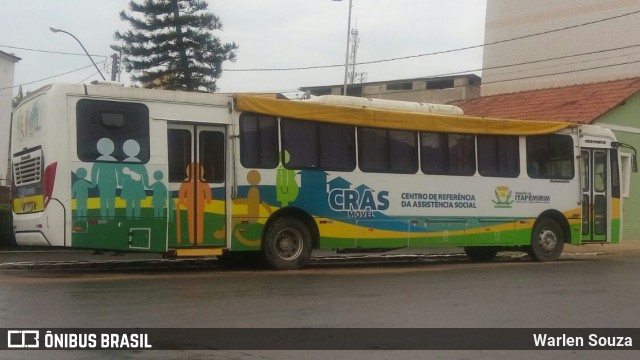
[[112, 131], [550, 157], [400, 86], [315, 145], [439, 84], [388, 151], [352, 90], [258, 141], [498, 156], [447, 154]]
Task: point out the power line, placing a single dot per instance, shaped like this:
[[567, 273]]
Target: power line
[[49, 51], [544, 60], [395, 58], [383, 60], [520, 64], [515, 79], [563, 72], [49, 77], [565, 64], [443, 51]]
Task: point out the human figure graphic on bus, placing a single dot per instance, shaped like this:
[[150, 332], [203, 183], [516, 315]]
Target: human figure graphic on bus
[[80, 192], [287, 188], [134, 179], [105, 174], [253, 203], [194, 194], [160, 194]]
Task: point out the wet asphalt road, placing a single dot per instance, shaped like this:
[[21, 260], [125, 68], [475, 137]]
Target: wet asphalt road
[[582, 291]]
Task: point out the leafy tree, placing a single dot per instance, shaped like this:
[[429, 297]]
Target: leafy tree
[[16, 99], [171, 45]]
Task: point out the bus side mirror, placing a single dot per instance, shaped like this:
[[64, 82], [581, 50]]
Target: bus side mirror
[[634, 156]]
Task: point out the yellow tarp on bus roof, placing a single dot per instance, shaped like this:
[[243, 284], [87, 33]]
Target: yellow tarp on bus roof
[[391, 119]]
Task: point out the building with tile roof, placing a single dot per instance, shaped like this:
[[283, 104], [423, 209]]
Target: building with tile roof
[[612, 104], [582, 103], [7, 64]]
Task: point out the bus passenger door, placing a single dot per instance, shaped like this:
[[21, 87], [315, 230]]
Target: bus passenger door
[[197, 171], [594, 195]]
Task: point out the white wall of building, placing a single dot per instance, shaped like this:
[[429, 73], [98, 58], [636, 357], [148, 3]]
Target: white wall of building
[[7, 64], [507, 19]]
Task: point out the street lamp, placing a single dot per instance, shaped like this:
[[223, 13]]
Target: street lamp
[[346, 61], [117, 48], [85, 50]]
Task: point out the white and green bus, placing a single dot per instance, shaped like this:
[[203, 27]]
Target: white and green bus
[[189, 174]]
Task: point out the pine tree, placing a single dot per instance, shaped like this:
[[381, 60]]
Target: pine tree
[[171, 45], [16, 99]]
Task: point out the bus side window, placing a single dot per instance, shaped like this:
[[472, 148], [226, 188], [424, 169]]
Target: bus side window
[[315, 145], [258, 141], [498, 156], [103, 128], [550, 157], [300, 141], [388, 151], [448, 154]]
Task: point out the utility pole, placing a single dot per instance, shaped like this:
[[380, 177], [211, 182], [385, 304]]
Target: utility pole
[[355, 42], [114, 66]]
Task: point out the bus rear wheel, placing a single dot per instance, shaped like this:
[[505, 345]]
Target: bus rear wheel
[[547, 241], [287, 244], [480, 253]]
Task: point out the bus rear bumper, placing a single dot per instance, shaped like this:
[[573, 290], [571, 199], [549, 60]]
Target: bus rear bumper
[[33, 230], [31, 238]]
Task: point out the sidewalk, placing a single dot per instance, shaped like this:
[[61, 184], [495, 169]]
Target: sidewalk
[[626, 246]]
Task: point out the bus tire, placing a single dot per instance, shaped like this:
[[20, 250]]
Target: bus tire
[[287, 244], [547, 241], [481, 253]]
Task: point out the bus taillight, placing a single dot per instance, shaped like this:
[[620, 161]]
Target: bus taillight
[[48, 182]]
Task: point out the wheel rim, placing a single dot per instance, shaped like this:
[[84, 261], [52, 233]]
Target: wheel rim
[[288, 244], [548, 240]]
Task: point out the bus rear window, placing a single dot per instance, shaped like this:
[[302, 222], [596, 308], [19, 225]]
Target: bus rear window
[[112, 131]]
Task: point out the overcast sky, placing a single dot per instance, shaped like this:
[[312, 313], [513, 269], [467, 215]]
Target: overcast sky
[[270, 34]]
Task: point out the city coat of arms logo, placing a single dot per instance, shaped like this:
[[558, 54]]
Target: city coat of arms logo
[[503, 197]]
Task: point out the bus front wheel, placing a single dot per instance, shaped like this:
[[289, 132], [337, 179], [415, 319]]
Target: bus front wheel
[[547, 241], [287, 244]]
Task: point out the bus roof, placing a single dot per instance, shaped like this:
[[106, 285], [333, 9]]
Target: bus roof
[[394, 119], [397, 105]]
